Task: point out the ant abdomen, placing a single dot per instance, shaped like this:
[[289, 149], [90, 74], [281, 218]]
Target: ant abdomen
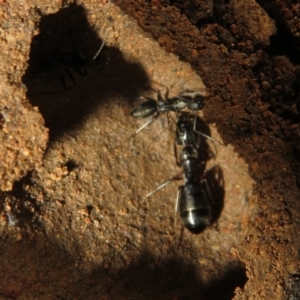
[[145, 109], [195, 207]]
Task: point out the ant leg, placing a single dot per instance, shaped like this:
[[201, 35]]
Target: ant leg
[[159, 96], [158, 188], [102, 45], [187, 93], [80, 72], [195, 129], [176, 155], [203, 134], [99, 51], [206, 183], [142, 127], [167, 93], [100, 69], [175, 144], [163, 185], [181, 237], [63, 79], [208, 189], [96, 56], [179, 192]]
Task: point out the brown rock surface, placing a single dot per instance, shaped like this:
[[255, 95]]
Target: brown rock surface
[[23, 137], [76, 225]]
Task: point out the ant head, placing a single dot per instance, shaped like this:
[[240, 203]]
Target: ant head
[[196, 104]]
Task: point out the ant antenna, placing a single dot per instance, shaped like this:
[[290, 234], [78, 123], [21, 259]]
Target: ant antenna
[[102, 45], [141, 128]]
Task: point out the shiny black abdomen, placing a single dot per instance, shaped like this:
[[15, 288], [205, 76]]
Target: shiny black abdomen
[[195, 206], [145, 110]]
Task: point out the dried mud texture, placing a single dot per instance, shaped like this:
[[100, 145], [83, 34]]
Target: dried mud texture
[[253, 19], [23, 136], [78, 226]]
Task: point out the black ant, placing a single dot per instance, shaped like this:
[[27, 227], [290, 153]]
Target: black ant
[[191, 100], [69, 61], [194, 197]]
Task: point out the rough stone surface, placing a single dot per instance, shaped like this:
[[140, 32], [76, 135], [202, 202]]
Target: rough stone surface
[[23, 137], [77, 226]]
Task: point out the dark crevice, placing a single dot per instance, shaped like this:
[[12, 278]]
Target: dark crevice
[[65, 74], [283, 42], [71, 165], [26, 208]]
